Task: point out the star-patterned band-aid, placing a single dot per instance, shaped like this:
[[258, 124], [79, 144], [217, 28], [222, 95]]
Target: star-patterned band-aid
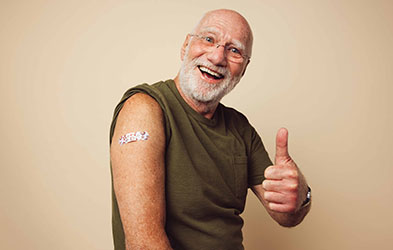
[[134, 136]]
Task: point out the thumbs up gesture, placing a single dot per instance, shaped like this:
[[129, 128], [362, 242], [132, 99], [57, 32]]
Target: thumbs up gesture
[[285, 187]]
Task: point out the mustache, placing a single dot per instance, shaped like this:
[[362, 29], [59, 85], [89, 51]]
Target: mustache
[[201, 62]]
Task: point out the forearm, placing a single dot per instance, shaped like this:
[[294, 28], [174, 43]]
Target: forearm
[[149, 241]]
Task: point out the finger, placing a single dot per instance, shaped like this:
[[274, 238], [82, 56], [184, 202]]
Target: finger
[[281, 172], [274, 197], [286, 186], [273, 173], [282, 145], [272, 185], [276, 172], [282, 208]]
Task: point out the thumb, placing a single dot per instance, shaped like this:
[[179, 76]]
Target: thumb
[[282, 146]]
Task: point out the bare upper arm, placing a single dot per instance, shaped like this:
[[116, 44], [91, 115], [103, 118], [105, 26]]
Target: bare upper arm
[[139, 170]]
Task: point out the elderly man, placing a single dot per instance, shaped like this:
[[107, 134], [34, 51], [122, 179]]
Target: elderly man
[[182, 162]]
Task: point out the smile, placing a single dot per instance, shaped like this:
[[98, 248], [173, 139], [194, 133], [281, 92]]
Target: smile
[[210, 73]]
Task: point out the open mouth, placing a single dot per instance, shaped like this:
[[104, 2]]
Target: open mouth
[[210, 73]]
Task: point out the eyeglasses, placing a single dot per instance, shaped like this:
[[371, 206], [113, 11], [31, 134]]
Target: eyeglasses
[[232, 53]]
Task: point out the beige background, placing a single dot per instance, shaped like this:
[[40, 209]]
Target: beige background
[[321, 68]]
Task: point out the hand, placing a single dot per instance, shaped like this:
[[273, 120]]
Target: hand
[[284, 186]]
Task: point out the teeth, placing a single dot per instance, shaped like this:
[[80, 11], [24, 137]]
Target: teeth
[[210, 72]]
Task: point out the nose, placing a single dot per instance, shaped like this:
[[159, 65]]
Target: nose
[[217, 55]]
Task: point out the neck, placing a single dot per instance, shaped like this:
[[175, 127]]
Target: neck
[[206, 109]]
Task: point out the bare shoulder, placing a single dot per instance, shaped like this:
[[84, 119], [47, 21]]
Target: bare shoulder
[[142, 99], [141, 103]]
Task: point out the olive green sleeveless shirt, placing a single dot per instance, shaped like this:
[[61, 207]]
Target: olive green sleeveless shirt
[[210, 163]]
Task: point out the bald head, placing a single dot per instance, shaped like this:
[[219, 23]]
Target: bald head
[[231, 20]]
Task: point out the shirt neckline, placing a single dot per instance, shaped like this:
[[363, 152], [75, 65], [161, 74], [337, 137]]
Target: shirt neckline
[[210, 122]]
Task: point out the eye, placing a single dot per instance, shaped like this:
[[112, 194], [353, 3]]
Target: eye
[[209, 39], [234, 50]]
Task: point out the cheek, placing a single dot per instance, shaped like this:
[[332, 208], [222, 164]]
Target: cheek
[[194, 52], [236, 69]]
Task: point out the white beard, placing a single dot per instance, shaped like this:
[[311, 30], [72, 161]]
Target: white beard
[[200, 91]]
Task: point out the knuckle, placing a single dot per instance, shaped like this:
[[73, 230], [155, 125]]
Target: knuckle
[[269, 168], [267, 196], [293, 187], [293, 199], [265, 184], [269, 171], [266, 173], [293, 174]]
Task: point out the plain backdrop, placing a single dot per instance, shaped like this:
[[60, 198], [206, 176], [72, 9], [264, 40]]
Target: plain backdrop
[[321, 68]]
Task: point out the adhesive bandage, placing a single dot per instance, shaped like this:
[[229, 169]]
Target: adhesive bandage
[[134, 136]]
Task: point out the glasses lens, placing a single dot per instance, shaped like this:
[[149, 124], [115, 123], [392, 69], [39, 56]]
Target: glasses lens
[[232, 54], [234, 57]]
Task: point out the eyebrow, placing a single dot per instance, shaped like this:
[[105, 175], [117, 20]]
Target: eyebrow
[[238, 44], [235, 42]]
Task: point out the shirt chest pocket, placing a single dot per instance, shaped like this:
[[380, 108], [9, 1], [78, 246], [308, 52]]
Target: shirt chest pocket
[[240, 175]]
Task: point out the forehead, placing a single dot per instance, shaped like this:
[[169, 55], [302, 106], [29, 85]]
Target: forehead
[[230, 27]]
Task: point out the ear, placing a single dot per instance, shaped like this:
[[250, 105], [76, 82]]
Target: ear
[[245, 67], [184, 46]]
